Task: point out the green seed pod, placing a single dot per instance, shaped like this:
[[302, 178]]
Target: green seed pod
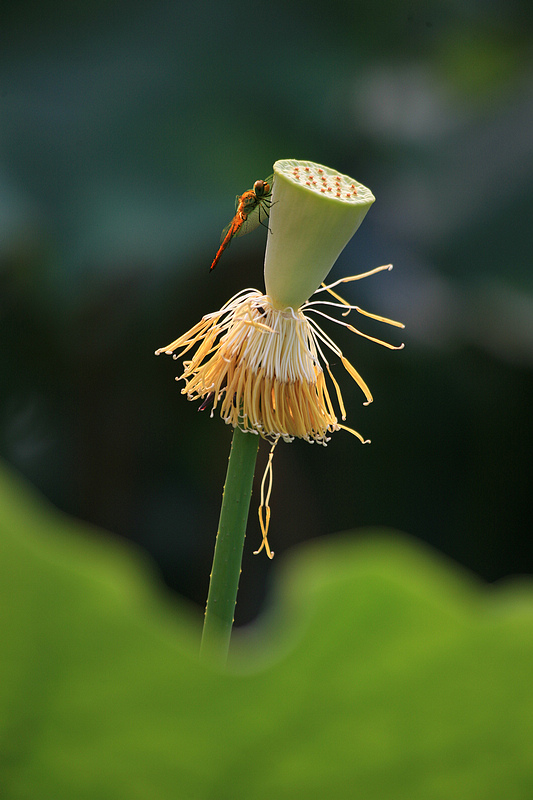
[[315, 212]]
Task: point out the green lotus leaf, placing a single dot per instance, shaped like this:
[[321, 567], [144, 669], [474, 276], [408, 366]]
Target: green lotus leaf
[[379, 671]]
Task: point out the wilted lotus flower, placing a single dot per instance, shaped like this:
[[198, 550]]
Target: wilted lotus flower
[[261, 358]]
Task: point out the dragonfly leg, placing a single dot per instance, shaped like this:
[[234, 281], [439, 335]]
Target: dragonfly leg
[[265, 205]]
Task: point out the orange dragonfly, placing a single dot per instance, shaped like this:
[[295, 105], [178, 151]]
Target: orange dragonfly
[[248, 214]]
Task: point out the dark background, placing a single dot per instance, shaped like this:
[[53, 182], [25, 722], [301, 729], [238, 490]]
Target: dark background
[[127, 129]]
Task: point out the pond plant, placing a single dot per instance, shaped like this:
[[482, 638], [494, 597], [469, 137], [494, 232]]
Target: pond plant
[[261, 360]]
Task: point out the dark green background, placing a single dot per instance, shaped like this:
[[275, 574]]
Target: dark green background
[[126, 131]]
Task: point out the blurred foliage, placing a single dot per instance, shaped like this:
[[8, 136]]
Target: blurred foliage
[[378, 666], [127, 130]]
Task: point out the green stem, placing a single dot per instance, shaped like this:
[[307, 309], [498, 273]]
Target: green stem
[[229, 545]]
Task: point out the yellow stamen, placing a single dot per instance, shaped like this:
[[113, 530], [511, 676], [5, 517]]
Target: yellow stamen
[[338, 391], [351, 430], [358, 379], [337, 297], [373, 338], [265, 505], [360, 310], [350, 278], [379, 319]]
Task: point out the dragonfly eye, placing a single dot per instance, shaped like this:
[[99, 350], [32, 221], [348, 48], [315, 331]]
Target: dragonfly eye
[[259, 187]]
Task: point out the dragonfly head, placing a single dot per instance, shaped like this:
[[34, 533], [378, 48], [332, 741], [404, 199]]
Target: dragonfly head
[[261, 188]]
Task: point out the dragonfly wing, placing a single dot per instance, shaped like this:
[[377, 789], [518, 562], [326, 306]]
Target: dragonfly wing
[[257, 216], [225, 241], [252, 221], [225, 233]]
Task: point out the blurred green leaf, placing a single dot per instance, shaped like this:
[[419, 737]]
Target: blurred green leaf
[[379, 672]]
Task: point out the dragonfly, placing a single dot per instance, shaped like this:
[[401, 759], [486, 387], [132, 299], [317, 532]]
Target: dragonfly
[[248, 209]]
